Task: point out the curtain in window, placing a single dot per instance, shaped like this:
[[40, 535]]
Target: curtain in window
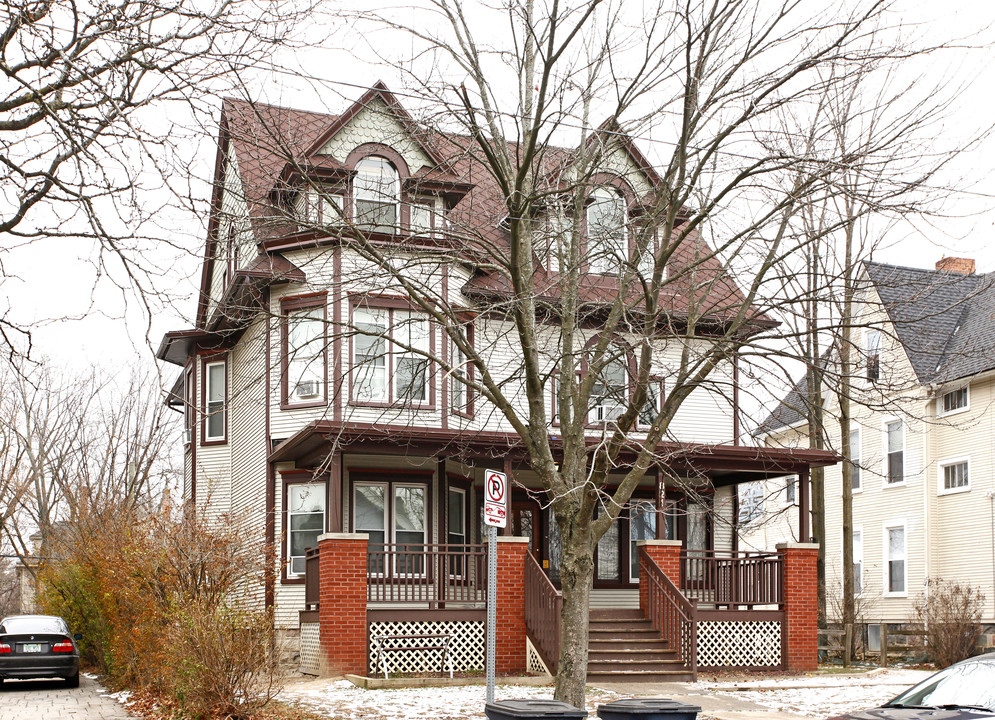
[[376, 191]]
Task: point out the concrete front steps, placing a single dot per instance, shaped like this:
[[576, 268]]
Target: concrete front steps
[[624, 647]]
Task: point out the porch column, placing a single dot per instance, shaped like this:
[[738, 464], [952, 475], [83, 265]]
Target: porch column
[[804, 506], [507, 530], [667, 555], [510, 645], [333, 518], [799, 630], [342, 602], [661, 507]]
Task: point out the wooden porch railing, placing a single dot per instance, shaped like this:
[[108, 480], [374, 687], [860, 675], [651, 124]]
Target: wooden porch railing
[[673, 615], [431, 575], [312, 576], [745, 579], [543, 604]]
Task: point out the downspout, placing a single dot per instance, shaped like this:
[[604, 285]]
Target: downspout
[[930, 397]]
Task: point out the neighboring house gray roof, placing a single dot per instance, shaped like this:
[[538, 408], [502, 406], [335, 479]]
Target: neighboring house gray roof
[[944, 320]]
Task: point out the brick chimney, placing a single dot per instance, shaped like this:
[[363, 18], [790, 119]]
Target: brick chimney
[[961, 266]]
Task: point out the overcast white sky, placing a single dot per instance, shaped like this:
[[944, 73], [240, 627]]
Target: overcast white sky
[[108, 327]]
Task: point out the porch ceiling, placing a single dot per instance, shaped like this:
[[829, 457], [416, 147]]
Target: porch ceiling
[[722, 464]]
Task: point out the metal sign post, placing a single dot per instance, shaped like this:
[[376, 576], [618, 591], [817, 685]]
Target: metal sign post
[[495, 516]]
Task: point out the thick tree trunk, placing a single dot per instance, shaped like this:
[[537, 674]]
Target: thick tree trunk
[[577, 577]]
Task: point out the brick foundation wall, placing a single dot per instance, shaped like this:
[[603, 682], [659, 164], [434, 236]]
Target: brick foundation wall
[[342, 603], [510, 647], [667, 555], [799, 640]]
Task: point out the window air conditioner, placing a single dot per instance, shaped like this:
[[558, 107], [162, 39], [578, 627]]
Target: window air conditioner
[[307, 389]]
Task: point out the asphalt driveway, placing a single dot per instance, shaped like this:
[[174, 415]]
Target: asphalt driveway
[[48, 699]]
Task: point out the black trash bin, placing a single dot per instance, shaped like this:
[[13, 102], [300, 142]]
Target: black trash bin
[[648, 709], [533, 710]]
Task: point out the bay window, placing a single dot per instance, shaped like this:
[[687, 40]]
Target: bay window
[[390, 356], [215, 395], [304, 353], [609, 393]]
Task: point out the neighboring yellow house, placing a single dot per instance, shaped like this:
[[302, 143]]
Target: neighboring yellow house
[[922, 440]]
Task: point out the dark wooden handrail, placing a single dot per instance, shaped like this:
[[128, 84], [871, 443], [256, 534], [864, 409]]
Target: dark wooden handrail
[[543, 606], [672, 614], [432, 575], [745, 579]]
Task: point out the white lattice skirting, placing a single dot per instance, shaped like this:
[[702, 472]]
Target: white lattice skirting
[[310, 648], [739, 643], [466, 645], [535, 664]]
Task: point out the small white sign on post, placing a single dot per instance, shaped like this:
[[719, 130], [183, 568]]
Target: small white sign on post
[[495, 506]]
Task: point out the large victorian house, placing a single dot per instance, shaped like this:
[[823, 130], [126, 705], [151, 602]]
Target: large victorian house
[[317, 419]]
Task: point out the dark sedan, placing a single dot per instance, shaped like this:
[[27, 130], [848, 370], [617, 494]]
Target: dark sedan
[[38, 646], [963, 691]]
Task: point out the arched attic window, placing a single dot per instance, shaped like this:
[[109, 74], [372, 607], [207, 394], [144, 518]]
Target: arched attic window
[[376, 195], [607, 244]]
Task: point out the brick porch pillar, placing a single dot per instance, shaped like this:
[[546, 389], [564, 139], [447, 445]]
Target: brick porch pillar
[[799, 633], [510, 646], [342, 602], [666, 554]]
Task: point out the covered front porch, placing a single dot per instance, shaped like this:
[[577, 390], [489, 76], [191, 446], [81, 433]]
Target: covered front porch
[[409, 514]]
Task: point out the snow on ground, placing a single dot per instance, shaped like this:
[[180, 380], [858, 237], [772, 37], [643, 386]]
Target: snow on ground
[[341, 700], [820, 696]]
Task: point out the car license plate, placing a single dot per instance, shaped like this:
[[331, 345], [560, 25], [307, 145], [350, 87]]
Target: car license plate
[[31, 647]]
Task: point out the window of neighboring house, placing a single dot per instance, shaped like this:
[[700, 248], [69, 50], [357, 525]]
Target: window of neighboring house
[[895, 447], [190, 405], [305, 521], [393, 514], [609, 393], [858, 561], [390, 356], [215, 391], [855, 459], [895, 553], [954, 476], [872, 341], [953, 401], [376, 194], [751, 501], [790, 489], [459, 392], [303, 329], [606, 233]]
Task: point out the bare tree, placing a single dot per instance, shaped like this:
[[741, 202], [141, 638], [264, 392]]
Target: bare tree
[[81, 150]]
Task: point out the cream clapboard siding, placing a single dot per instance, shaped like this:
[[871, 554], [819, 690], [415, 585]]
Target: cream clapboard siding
[[233, 210], [723, 522], [247, 438], [948, 535]]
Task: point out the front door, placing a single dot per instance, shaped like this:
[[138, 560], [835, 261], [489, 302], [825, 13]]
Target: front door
[[525, 522]]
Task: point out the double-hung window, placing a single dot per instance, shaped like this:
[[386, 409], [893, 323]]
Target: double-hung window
[[305, 521], [858, 561], [895, 554], [854, 459], [609, 393], [607, 244], [394, 515], [304, 350], [376, 194], [654, 402], [390, 356], [894, 452], [215, 393], [954, 475]]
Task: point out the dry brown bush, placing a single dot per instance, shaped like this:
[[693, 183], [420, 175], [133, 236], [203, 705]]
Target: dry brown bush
[[950, 613], [154, 594]]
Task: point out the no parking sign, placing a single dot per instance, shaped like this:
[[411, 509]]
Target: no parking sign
[[495, 491]]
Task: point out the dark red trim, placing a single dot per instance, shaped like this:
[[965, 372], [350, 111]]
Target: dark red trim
[[269, 577]]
